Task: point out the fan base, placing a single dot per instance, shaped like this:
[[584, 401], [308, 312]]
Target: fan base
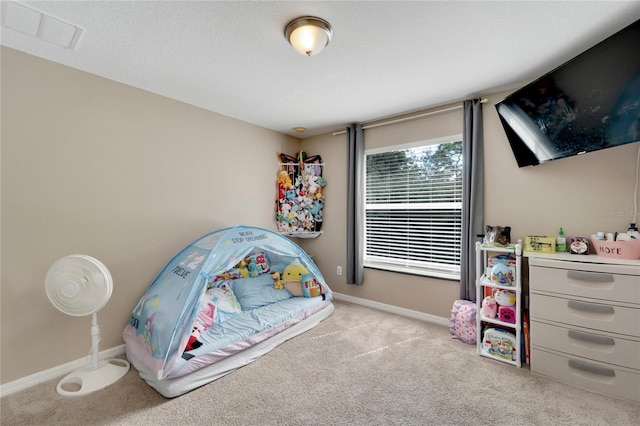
[[86, 380]]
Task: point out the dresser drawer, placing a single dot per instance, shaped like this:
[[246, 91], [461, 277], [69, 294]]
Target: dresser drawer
[[590, 283], [597, 316], [597, 377], [587, 344]]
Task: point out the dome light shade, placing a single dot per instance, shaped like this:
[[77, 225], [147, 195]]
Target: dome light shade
[[308, 34]]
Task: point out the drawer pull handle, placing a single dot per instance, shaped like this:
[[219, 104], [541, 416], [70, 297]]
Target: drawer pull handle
[[590, 276], [601, 340], [590, 307], [591, 368]]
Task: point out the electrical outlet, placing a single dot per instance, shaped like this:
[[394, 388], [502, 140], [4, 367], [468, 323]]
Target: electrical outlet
[[339, 270]]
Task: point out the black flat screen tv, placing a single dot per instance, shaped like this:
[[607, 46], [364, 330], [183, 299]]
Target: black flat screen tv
[[590, 103]]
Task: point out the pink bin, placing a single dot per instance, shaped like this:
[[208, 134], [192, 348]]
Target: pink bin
[[617, 249]]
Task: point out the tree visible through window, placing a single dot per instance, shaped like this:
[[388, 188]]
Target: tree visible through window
[[413, 209]]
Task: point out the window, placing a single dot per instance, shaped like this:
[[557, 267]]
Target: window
[[413, 208]]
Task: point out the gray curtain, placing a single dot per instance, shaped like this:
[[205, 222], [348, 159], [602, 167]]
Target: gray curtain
[[472, 195], [355, 204]]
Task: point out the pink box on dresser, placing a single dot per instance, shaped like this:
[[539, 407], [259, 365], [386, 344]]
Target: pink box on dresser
[[617, 249]]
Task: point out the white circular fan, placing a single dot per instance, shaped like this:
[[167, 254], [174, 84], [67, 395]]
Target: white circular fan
[[80, 285]]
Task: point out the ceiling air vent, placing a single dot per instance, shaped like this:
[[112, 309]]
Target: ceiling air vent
[[27, 20]]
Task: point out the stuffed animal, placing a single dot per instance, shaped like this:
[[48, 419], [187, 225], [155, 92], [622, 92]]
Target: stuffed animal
[[322, 183], [193, 342], [501, 274], [283, 226], [278, 284], [253, 268], [507, 314], [292, 277], [242, 267], [285, 209], [284, 179], [489, 307], [317, 207], [497, 235], [310, 286], [312, 184], [505, 297]]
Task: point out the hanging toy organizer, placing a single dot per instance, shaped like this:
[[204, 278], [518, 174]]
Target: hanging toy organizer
[[300, 197]]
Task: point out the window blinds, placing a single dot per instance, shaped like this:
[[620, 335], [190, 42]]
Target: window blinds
[[413, 209]]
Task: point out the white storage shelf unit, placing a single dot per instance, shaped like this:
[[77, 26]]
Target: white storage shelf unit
[[483, 272]]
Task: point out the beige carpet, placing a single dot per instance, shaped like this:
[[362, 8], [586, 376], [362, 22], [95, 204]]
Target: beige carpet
[[359, 367]]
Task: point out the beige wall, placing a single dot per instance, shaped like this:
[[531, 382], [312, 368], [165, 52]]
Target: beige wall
[[92, 166], [582, 194], [95, 167], [422, 294]]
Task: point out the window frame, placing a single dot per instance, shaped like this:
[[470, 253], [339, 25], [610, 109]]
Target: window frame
[[428, 269]]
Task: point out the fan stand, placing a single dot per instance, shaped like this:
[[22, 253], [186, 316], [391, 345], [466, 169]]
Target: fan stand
[[94, 376]]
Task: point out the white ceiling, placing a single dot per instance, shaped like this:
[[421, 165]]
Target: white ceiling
[[386, 57]]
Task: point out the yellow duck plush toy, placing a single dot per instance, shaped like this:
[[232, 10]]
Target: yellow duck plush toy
[[292, 277], [278, 284]]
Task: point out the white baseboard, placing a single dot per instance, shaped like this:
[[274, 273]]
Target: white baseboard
[[52, 373], [393, 309]]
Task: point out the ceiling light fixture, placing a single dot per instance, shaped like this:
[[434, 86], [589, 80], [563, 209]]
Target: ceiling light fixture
[[308, 34]]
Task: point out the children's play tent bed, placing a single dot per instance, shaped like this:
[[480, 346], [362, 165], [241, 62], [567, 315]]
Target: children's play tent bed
[[222, 302]]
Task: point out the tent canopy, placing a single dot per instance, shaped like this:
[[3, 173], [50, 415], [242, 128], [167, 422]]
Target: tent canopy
[[165, 314]]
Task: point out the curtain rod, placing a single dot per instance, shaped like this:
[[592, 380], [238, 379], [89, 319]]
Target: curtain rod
[[412, 117]]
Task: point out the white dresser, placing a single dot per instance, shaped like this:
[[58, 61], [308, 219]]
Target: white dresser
[[585, 322]]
